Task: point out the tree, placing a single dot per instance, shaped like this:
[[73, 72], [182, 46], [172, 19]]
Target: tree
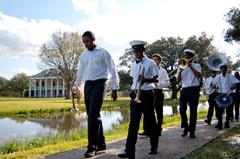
[[171, 49], [19, 83], [4, 86], [62, 53], [233, 18], [124, 80], [203, 47]]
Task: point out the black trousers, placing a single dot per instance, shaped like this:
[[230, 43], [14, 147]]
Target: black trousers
[[136, 111], [93, 96], [189, 96], [236, 99], [212, 105], [158, 106]]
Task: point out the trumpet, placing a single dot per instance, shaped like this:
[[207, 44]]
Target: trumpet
[[139, 88]]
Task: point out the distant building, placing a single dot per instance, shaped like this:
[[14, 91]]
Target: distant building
[[46, 84]]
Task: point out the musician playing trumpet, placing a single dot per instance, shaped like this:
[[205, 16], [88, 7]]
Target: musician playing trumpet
[[211, 93], [190, 79], [225, 82], [150, 75]]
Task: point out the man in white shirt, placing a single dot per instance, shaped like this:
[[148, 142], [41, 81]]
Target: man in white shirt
[[211, 93], [146, 97], [95, 64], [190, 79], [224, 83], [236, 97], [163, 82]]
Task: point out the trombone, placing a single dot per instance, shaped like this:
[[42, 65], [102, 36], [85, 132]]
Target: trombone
[[139, 87], [182, 63]]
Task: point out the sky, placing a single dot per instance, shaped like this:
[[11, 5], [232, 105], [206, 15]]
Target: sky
[[25, 25]]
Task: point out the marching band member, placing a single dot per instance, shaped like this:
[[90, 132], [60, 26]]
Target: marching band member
[[236, 98], [146, 97], [211, 93], [94, 65], [163, 82], [190, 78], [225, 83]]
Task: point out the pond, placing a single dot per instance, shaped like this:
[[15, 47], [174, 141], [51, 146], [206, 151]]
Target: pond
[[15, 127]]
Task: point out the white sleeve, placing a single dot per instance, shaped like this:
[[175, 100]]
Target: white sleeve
[[198, 68], [132, 70], [112, 70], [234, 80], [164, 83], [154, 69]]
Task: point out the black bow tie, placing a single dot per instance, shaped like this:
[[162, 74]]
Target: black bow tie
[[138, 60]]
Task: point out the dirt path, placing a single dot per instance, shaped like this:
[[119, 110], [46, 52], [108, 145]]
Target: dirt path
[[171, 144]]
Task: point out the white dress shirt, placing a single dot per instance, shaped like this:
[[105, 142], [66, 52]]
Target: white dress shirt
[[96, 64], [188, 78], [163, 78], [151, 70], [224, 83], [208, 82]]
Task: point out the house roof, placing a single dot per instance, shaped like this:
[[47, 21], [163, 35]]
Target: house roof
[[46, 73]]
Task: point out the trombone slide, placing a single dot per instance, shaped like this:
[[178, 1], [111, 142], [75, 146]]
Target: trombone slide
[[139, 88]]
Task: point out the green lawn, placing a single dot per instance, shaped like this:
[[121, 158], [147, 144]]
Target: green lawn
[[225, 146], [15, 106]]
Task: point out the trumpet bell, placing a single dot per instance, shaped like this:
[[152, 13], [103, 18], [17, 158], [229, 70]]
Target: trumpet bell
[[215, 60]]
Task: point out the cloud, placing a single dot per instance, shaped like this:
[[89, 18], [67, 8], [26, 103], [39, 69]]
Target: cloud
[[22, 70], [152, 19], [23, 37]]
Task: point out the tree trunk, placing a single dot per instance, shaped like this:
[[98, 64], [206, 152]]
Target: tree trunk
[[68, 89]]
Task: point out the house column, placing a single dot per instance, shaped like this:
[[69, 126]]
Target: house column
[[35, 82], [51, 87], [57, 88], [40, 88], [46, 92], [63, 89], [30, 88]]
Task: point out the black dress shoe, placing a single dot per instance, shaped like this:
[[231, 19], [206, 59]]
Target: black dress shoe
[[192, 135], [207, 121], [89, 153], [101, 147], [153, 151], [185, 132], [219, 126], [226, 125], [126, 155]]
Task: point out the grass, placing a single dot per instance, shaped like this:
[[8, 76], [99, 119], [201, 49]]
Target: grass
[[31, 106], [27, 106], [220, 148], [41, 146]]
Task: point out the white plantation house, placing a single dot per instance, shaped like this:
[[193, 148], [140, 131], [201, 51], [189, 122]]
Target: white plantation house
[[46, 84]]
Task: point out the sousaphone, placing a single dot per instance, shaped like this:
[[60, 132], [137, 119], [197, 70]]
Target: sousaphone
[[215, 60]]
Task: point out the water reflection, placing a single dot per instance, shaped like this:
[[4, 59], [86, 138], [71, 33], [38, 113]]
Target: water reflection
[[14, 128]]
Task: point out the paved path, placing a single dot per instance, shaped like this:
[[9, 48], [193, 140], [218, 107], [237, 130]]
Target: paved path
[[171, 144]]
